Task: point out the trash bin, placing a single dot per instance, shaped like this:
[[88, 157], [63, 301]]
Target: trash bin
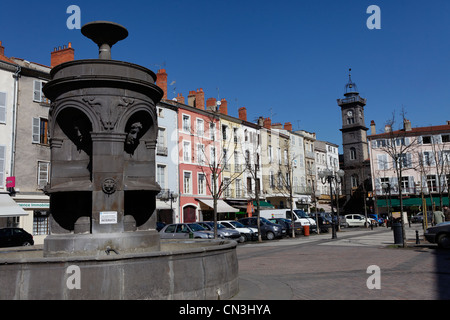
[[306, 231], [398, 236]]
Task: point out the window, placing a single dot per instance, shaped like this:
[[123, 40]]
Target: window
[[352, 154], [38, 96], [201, 183], [354, 181], [212, 131], [224, 132], [445, 138], [350, 120], [187, 182], [43, 173], [186, 151], [426, 140], [2, 107], [40, 131], [270, 155], [271, 180], [235, 135], [238, 188], [41, 225], [201, 154], [200, 127], [428, 158], [161, 148], [213, 156], [432, 183], [404, 160], [406, 185], [161, 175], [383, 163], [249, 185], [226, 186], [2, 166], [186, 123]]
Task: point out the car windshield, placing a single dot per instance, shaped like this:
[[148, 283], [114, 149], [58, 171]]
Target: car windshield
[[211, 224], [196, 227], [301, 213], [236, 224]]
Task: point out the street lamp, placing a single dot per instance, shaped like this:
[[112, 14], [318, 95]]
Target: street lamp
[[328, 175], [167, 195], [387, 189]]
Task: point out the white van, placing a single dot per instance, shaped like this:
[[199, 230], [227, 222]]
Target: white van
[[299, 216]]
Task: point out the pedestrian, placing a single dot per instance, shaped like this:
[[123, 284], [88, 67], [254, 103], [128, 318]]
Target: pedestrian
[[438, 217], [446, 213]]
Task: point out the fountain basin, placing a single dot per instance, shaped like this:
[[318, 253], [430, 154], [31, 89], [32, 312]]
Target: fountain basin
[[194, 270]]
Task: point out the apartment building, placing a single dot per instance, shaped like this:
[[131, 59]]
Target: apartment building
[[422, 154]]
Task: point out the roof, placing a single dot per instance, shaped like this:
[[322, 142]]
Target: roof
[[414, 131]]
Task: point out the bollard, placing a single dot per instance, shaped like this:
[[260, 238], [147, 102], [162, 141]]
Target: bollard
[[417, 237], [371, 226]]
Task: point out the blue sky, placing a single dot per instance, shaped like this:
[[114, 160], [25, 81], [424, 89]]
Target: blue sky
[[287, 60]]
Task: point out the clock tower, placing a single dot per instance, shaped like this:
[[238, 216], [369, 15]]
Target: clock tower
[[354, 138]]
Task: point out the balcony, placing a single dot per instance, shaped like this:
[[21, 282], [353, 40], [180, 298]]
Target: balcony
[[351, 100], [161, 150]]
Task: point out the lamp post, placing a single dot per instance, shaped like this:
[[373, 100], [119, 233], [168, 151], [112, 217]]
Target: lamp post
[[328, 175], [167, 195], [387, 189]]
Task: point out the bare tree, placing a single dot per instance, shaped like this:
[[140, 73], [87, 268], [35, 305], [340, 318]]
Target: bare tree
[[399, 147]]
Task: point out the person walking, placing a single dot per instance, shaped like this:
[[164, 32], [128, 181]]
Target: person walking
[[446, 213], [438, 217]]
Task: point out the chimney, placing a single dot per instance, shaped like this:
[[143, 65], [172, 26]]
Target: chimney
[[211, 104], [161, 81], [373, 130], [191, 98], [200, 99], [448, 122], [406, 125], [180, 98], [260, 121], [243, 114], [387, 128], [223, 109], [267, 123], [288, 126], [2, 49], [277, 125], [61, 55]]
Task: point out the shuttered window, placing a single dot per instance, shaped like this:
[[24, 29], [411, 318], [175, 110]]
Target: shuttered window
[[2, 107]]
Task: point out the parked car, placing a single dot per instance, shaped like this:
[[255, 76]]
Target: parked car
[[15, 237], [377, 218], [418, 218], [247, 232], [285, 224], [269, 230], [357, 220], [324, 220], [439, 234], [185, 231], [222, 231]]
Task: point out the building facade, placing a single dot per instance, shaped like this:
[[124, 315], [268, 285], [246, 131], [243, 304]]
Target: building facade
[[422, 154]]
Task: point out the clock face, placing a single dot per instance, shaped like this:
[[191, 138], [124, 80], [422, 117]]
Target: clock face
[[350, 113]]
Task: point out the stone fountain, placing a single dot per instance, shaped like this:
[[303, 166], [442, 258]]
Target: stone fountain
[[103, 128]]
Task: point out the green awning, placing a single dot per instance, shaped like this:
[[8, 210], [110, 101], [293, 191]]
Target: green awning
[[408, 202], [263, 204]]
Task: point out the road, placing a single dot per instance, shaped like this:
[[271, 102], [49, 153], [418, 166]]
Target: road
[[317, 267]]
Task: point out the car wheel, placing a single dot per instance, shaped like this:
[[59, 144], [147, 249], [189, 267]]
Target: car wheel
[[270, 235], [26, 244], [242, 238], [444, 241]]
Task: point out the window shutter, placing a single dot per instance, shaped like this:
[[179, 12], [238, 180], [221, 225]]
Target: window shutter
[[2, 166], [2, 107], [36, 130], [37, 90]]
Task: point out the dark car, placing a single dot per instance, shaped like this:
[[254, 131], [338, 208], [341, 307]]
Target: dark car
[[15, 237], [285, 224], [324, 220], [439, 234], [269, 230], [418, 218]]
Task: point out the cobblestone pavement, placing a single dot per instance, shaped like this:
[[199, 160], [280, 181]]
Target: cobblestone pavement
[[317, 267]]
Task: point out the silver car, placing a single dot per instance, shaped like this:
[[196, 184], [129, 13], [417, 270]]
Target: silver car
[[185, 231], [222, 231]]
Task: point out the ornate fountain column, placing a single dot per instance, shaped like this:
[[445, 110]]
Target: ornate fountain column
[[103, 129]]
